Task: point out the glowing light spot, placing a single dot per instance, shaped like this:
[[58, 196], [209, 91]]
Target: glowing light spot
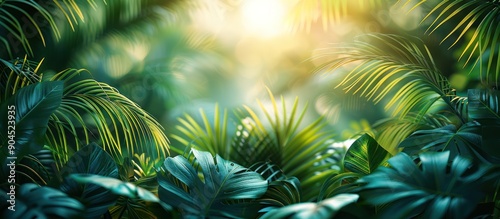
[[264, 17]]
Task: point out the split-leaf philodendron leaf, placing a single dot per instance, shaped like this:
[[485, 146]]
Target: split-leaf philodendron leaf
[[225, 189]]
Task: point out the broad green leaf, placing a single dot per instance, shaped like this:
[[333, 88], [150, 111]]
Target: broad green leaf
[[434, 189], [364, 156], [484, 106], [116, 186], [91, 159], [465, 141], [30, 109], [32, 201], [226, 189], [327, 208]]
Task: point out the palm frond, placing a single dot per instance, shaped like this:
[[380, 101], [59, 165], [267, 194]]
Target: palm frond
[[478, 17], [209, 137], [91, 111], [73, 10], [392, 131], [280, 138], [304, 13], [391, 65], [23, 20], [298, 150], [16, 74]]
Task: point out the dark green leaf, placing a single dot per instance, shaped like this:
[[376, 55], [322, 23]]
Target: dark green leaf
[[32, 201], [282, 190], [484, 106], [226, 189], [91, 159], [116, 186], [466, 141], [31, 106], [435, 189], [327, 208]]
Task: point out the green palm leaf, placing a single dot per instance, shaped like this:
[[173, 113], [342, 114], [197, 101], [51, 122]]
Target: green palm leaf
[[392, 65], [464, 141], [209, 137], [92, 111], [89, 111], [20, 24], [392, 131], [327, 208], [304, 13], [479, 18], [298, 151], [484, 105], [16, 74], [225, 190], [431, 190], [25, 21]]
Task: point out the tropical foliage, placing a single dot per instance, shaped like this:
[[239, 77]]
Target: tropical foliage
[[146, 109]]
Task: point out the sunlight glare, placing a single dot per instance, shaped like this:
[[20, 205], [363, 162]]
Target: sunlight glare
[[264, 17]]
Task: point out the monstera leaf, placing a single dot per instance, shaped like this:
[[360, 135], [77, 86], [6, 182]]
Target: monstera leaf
[[433, 189], [327, 208], [32, 201], [484, 105], [90, 159], [225, 190], [465, 141]]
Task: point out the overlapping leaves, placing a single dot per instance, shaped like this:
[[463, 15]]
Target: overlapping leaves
[[362, 158], [90, 159], [478, 17], [327, 208], [33, 201], [280, 138], [391, 65], [225, 189], [433, 189]]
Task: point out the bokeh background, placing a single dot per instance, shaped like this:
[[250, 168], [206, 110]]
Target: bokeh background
[[176, 57]]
